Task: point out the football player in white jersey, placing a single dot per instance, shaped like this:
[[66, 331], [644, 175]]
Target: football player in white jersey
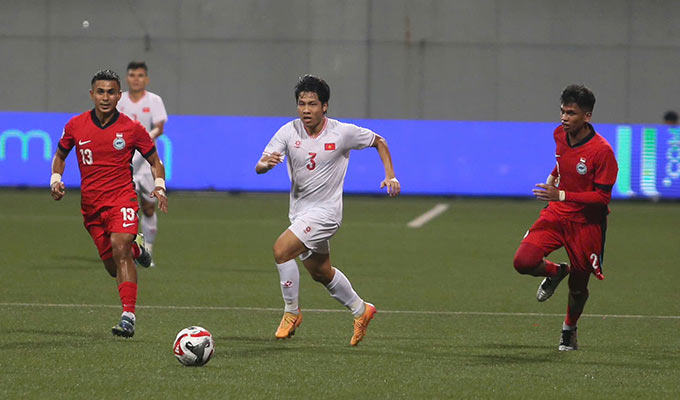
[[318, 150], [147, 108]]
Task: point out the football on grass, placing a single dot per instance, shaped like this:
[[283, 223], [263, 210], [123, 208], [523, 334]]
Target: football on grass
[[194, 346]]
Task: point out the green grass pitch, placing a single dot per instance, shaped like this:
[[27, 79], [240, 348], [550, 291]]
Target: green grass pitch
[[454, 318]]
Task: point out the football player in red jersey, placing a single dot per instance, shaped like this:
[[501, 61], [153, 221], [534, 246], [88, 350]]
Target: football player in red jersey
[[105, 141], [578, 192]]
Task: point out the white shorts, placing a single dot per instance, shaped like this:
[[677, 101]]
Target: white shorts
[[144, 183], [315, 231]]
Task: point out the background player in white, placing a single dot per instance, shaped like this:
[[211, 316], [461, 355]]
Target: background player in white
[[147, 108], [318, 154]]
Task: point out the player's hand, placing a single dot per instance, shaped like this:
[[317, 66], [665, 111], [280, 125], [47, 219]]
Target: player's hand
[[274, 159], [546, 192], [393, 186], [159, 193], [58, 190]]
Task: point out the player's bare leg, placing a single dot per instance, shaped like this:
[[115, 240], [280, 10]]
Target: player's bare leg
[[126, 278], [286, 248], [319, 267], [111, 267], [149, 222]]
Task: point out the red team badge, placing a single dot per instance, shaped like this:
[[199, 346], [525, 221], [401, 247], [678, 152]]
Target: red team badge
[[146, 109], [329, 146]]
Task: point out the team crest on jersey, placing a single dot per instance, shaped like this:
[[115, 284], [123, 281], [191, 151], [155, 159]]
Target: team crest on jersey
[[581, 167], [119, 142], [297, 144]]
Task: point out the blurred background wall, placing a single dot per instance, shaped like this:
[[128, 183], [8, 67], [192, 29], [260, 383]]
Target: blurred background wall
[[411, 59]]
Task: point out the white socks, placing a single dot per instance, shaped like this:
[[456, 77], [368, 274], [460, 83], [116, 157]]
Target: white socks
[[566, 327], [289, 277], [129, 315], [149, 229], [341, 290]]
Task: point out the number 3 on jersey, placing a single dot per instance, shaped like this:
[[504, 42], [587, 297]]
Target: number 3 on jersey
[[312, 164]]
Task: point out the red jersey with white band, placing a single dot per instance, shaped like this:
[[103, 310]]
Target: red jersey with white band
[[104, 156], [586, 172]]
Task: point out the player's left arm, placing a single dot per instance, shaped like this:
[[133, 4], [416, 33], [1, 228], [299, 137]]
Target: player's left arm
[[390, 181], [158, 172], [603, 182], [547, 192], [160, 117], [157, 129]]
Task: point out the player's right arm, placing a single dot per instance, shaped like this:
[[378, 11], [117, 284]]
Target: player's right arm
[[268, 161], [552, 177], [273, 154], [56, 185], [64, 146]]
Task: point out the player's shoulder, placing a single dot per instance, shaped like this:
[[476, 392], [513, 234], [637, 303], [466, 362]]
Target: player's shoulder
[[559, 132], [80, 119], [153, 96], [602, 144], [126, 121], [341, 127], [334, 123], [292, 127], [124, 97]]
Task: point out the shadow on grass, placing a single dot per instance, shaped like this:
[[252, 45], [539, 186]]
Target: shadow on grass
[[62, 338], [70, 263]]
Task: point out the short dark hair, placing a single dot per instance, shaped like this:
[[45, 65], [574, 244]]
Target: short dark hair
[[138, 65], [670, 116], [310, 83], [580, 95], [105, 75]]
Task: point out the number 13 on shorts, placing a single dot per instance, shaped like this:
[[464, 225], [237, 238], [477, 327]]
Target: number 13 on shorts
[[129, 216]]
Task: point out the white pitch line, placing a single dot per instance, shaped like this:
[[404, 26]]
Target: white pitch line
[[226, 308], [428, 216]]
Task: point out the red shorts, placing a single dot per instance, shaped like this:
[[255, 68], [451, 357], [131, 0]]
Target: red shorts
[[107, 220], [584, 242]]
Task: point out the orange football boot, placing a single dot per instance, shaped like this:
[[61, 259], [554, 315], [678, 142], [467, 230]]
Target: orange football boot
[[288, 324], [361, 323]]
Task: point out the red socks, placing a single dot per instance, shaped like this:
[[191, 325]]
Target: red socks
[[551, 269], [572, 317], [136, 251], [128, 296]]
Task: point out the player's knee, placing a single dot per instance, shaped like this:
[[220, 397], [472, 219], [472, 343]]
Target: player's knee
[[121, 249], [527, 258], [578, 289], [148, 209], [320, 277], [281, 255]]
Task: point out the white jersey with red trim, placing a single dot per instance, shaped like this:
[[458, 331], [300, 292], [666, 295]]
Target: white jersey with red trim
[[149, 111], [317, 166]]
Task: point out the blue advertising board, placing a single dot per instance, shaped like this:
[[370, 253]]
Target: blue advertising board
[[465, 158]]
